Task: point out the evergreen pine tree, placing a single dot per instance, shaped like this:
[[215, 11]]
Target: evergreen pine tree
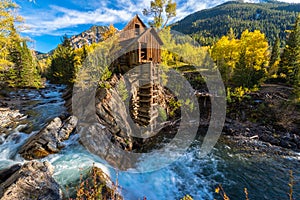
[[275, 57], [242, 73], [290, 60], [29, 72], [62, 68], [17, 66], [14, 78], [24, 72]]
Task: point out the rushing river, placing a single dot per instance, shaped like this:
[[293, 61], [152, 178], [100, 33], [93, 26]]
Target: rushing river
[[265, 176]]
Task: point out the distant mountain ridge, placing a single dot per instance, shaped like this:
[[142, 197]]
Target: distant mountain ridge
[[87, 37], [271, 17], [92, 35]]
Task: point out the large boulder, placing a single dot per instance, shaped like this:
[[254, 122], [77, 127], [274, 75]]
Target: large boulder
[[33, 180], [49, 139], [106, 116], [10, 119]]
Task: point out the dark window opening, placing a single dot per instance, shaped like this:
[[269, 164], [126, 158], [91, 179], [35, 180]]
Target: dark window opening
[[144, 51], [137, 29]]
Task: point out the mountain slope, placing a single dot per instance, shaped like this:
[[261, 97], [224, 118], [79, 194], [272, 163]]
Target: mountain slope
[[92, 35], [270, 18]]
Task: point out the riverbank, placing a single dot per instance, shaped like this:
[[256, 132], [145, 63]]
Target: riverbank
[[241, 137], [34, 125], [267, 116]]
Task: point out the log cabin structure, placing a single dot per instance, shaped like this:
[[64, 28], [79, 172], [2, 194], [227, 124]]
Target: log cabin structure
[[141, 46]]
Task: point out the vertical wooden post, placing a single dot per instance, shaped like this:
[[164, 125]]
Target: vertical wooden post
[[140, 52]]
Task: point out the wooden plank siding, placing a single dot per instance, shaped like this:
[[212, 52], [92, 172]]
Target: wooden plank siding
[[141, 46], [131, 31], [153, 47], [138, 46]]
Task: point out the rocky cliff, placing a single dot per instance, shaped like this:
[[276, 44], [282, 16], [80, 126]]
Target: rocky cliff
[[92, 35], [32, 180]]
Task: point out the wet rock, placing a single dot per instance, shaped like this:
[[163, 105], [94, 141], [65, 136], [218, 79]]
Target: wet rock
[[109, 111], [10, 119], [265, 133], [268, 114], [67, 128], [295, 138], [67, 96], [265, 138], [6, 173], [274, 141], [49, 139], [246, 146], [33, 180], [2, 139], [105, 101], [284, 144]]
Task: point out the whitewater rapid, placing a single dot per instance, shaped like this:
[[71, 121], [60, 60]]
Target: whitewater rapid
[[266, 177]]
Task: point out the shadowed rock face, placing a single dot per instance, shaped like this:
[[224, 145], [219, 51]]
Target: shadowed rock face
[[6, 173], [108, 110], [33, 180], [49, 139]]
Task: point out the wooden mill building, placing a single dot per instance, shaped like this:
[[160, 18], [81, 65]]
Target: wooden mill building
[[141, 46]]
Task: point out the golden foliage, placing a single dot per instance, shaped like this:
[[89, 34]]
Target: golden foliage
[[226, 54], [110, 32], [220, 190], [243, 61], [187, 197], [256, 49], [8, 18], [94, 187]]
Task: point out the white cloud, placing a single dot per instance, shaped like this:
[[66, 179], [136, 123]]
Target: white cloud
[[290, 1], [58, 19], [53, 20], [64, 18]]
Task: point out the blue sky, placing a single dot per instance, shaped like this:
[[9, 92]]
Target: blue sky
[[49, 20]]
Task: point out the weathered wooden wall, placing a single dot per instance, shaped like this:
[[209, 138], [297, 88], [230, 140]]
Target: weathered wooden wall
[[130, 31], [138, 46], [153, 48]]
